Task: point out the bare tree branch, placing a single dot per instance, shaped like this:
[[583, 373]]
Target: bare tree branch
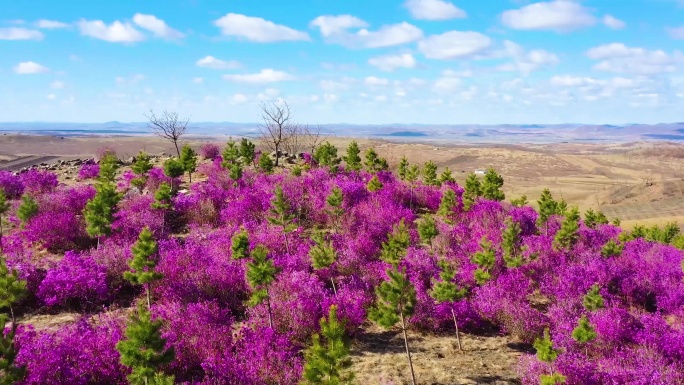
[[276, 127], [168, 126]]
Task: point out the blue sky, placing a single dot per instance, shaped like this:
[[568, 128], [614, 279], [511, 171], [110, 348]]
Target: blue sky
[[344, 61]]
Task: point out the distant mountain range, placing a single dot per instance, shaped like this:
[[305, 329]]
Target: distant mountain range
[[511, 133]]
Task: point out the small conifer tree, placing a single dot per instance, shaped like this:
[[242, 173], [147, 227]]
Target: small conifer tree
[[584, 333], [322, 254], [4, 208], [446, 176], [491, 186], [593, 300], [511, 243], [296, 170], [447, 291], [261, 272], [473, 189], [142, 264], [173, 168], [547, 207], [281, 214], [235, 172], [398, 241], [12, 290], [162, 197], [142, 164], [374, 184], [546, 353], [412, 175], [230, 154], [27, 209], [247, 151], [373, 162], [144, 350], [427, 230], [335, 200], [326, 362], [353, 158], [326, 155], [188, 158], [448, 204], [99, 211], [266, 163], [611, 249], [430, 174], [109, 164], [395, 303], [519, 202], [240, 244], [567, 236], [402, 168], [484, 259]]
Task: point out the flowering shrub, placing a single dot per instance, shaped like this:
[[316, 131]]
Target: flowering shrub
[[11, 184], [88, 171], [210, 151], [38, 182], [76, 279]]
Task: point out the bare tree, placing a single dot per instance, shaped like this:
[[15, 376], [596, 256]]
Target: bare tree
[[277, 126], [314, 137], [168, 125]]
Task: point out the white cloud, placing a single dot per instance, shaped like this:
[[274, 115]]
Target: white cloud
[[157, 26], [336, 30], [50, 24], [197, 80], [392, 62], [676, 33], [239, 99], [29, 67], [57, 84], [20, 34], [257, 29], [572, 81], [375, 81], [453, 44], [51, 96], [267, 75], [332, 25], [527, 62], [434, 10], [613, 23], [619, 58], [218, 64], [120, 80], [333, 85], [558, 15], [446, 84], [117, 32]]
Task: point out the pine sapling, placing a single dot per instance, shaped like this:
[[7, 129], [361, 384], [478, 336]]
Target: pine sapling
[[448, 204], [473, 189], [326, 155], [327, 361], [412, 175], [323, 254], [446, 177], [511, 244], [519, 202], [281, 215], [141, 166], [144, 349], [235, 172], [247, 151], [142, 264], [584, 333], [395, 248], [109, 165], [353, 158], [261, 272], [27, 209], [491, 186], [335, 200], [239, 245], [546, 353], [547, 208], [266, 164], [374, 184], [188, 158], [568, 235], [430, 174], [296, 170], [373, 162], [12, 290], [593, 300], [230, 154], [484, 259], [162, 201], [427, 230], [402, 168], [611, 249], [99, 211], [447, 291], [173, 168], [395, 303]]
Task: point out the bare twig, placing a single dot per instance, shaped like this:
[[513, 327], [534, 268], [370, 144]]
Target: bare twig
[[168, 126]]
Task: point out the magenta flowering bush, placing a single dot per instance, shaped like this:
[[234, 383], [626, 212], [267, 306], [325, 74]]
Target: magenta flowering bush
[[210, 151], [88, 171], [202, 296]]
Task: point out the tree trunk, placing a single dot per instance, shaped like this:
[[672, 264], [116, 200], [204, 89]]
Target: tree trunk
[[190, 176], [458, 337], [1, 248], [406, 344], [175, 143], [333, 283], [277, 148], [149, 299], [287, 244]]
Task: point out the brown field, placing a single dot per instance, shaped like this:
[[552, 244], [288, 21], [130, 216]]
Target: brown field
[[636, 182]]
